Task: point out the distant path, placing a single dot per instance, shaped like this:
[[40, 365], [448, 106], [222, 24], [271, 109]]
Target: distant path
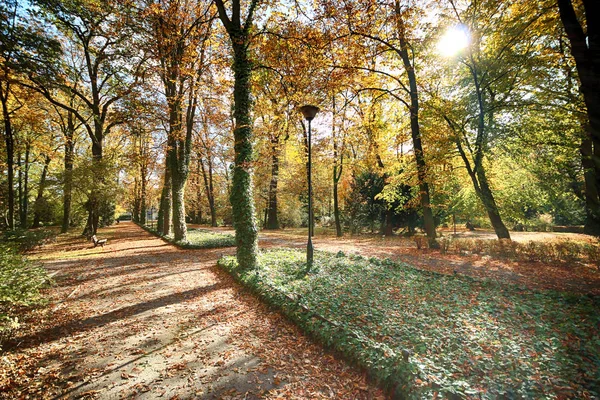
[[142, 319], [572, 278]]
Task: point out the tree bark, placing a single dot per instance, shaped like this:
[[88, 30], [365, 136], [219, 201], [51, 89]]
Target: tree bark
[[592, 198], [207, 176], [179, 179], [165, 211], [9, 141], [24, 209], [68, 164], [143, 184], [136, 201], [40, 195], [241, 197], [337, 174], [272, 218], [94, 198]]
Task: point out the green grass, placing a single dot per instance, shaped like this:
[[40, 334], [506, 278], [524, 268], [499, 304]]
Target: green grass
[[465, 337], [205, 239], [199, 239]]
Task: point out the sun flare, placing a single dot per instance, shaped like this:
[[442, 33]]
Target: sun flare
[[454, 40]]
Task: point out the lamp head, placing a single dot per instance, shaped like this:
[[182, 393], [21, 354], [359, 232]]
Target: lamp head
[[309, 112]]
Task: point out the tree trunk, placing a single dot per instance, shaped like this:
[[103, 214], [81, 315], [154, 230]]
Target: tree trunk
[[429, 223], [198, 218], [336, 208], [19, 187], [209, 188], [136, 201], [9, 141], [487, 198], [94, 200], [592, 198], [585, 48], [143, 184], [272, 221], [164, 223], [178, 192], [242, 199], [68, 183], [40, 195]]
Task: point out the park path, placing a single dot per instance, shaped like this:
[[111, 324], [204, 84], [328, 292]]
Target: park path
[[142, 319]]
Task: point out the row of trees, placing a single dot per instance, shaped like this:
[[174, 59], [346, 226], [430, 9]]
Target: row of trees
[[136, 98]]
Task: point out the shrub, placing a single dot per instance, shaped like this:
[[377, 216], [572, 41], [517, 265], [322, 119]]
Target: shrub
[[592, 253], [25, 240], [20, 284], [565, 252], [205, 239]]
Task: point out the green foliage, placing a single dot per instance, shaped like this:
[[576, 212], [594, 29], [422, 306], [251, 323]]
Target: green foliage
[[20, 284], [205, 239], [466, 337], [199, 239], [369, 199], [25, 240]]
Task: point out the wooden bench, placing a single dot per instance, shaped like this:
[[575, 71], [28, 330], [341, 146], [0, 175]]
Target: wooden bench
[[99, 242]]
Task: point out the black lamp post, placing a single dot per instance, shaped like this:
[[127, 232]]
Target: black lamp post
[[309, 113]]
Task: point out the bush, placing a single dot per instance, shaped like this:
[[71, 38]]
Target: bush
[[20, 284], [25, 240], [205, 239], [559, 252]]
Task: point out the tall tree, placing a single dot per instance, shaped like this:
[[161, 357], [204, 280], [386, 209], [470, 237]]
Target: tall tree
[[242, 200], [110, 67], [20, 46], [584, 38], [493, 68], [181, 32], [387, 34]]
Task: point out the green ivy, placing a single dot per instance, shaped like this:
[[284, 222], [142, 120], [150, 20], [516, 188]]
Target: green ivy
[[464, 338], [20, 284]]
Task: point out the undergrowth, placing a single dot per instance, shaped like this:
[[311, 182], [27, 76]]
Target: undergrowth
[[554, 252], [200, 239], [20, 284], [426, 335]]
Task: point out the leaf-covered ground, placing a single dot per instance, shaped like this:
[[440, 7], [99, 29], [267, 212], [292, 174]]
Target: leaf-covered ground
[[143, 319], [467, 337]]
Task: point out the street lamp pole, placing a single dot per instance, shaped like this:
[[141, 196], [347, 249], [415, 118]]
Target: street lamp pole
[[309, 113]]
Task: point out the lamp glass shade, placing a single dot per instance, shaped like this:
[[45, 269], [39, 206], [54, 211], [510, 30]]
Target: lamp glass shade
[[309, 112]]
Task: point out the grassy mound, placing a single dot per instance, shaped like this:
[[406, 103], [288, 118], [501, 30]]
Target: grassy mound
[[199, 239], [426, 335], [205, 239]]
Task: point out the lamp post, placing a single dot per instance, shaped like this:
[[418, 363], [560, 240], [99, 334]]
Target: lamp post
[[309, 113]]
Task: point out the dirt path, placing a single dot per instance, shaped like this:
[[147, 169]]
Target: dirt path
[[576, 278], [142, 319]]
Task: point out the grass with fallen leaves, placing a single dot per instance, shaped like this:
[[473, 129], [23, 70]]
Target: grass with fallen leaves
[[470, 338], [200, 239]]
